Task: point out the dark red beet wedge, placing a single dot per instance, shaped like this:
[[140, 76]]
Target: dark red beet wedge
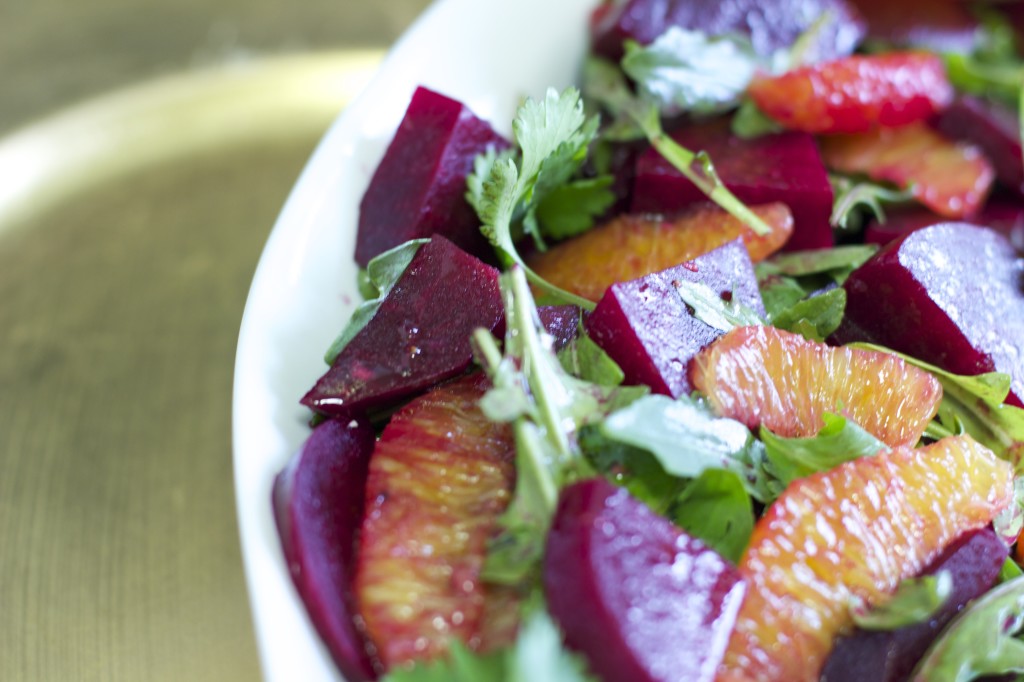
[[645, 326], [419, 188], [561, 321], [318, 505], [1005, 217], [771, 24], [994, 129], [638, 597], [973, 562], [950, 294], [782, 167], [419, 336], [938, 25]]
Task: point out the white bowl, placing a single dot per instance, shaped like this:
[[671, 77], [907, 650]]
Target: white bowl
[[487, 53]]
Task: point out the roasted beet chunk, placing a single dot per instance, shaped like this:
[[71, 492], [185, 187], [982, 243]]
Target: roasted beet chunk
[[782, 167], [994, 129], [771, 24], [419, 336], [950, 294], [641, 599], [973, 563], [650, 332], [318, 505], [419, 187]]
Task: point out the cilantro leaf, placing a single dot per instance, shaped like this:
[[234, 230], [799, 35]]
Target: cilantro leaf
[[570, 209], [915, 601], [992, 620], [553, 135], [687, 71], [381, 274], [839, 440]]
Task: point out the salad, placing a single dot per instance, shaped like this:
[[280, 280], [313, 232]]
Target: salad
[[740, 437]]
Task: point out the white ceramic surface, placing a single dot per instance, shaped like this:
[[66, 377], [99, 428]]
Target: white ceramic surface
[[486, 53]]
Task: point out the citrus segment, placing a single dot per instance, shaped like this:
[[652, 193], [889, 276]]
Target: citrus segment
[[763, 376], [850, 534], [439, 477], [631, 246]]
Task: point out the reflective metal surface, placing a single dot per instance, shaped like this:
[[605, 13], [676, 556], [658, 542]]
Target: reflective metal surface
[[145, 150]]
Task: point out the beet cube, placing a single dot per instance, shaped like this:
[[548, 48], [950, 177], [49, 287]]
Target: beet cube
[[419, 336], [419, 187], [318, 506], [771, 24], [782, 167], [950, 294], [638, 597], [645, 326], [561, 321], [973, 562], [994, 129], [1005, 217]]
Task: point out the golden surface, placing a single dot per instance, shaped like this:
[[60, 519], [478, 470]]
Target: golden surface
[[124, 268]]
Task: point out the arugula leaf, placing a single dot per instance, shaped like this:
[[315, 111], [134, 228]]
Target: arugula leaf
[[852, 196], [548, 406], [459, 665], [837, 263], [585, 359], [749, 122], [973, 404], [687, 71], [716, 508], [687, 438], [780, 293], [1009, 571], [839, 440], [980, 641], [632, 468], [816, 317], [915, 601], [381, 274], [553, 136], [712, 309]]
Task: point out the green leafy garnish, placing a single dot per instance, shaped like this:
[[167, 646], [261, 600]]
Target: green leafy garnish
[[687, 438], [852, 197], [546, 406], [585, 359], [836, 263], [687, 71], [553, 136], [816, 317], [375, 284], [839, 440], [713, 310], [569, 210], [915, 601], [749, 122], [980, 641], [716, 508]]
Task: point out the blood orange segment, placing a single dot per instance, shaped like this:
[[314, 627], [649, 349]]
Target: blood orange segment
[[951, 178], [855, 94], [848, 534], [642, 244], [763, 376], [439, 477]]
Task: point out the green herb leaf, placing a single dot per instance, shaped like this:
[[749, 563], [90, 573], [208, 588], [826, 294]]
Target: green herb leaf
[[585, 359], [711, 309], [837, 263], [749, 122], [687, 71], [570, 209], [1009, 571], [839, 440], [716, 508], [381, 274], [816, 317], [980, 641], [780, 293], [687, 438], [915, 601], [632, 468], [553, 136], [852, 197], [459, 665]]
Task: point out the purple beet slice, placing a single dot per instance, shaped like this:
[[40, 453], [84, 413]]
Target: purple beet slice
[[561, 321], [782, 167], [419, 188], [938, 25], [973, 562], [949, 294], [647, 328], [318, 506], [994, 129], [639, 598], [419, 336], [771, 25]]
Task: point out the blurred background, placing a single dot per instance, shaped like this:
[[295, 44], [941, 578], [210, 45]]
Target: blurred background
[[146, 147]]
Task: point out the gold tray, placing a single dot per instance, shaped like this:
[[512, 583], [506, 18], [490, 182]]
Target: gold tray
[[129, 230]]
